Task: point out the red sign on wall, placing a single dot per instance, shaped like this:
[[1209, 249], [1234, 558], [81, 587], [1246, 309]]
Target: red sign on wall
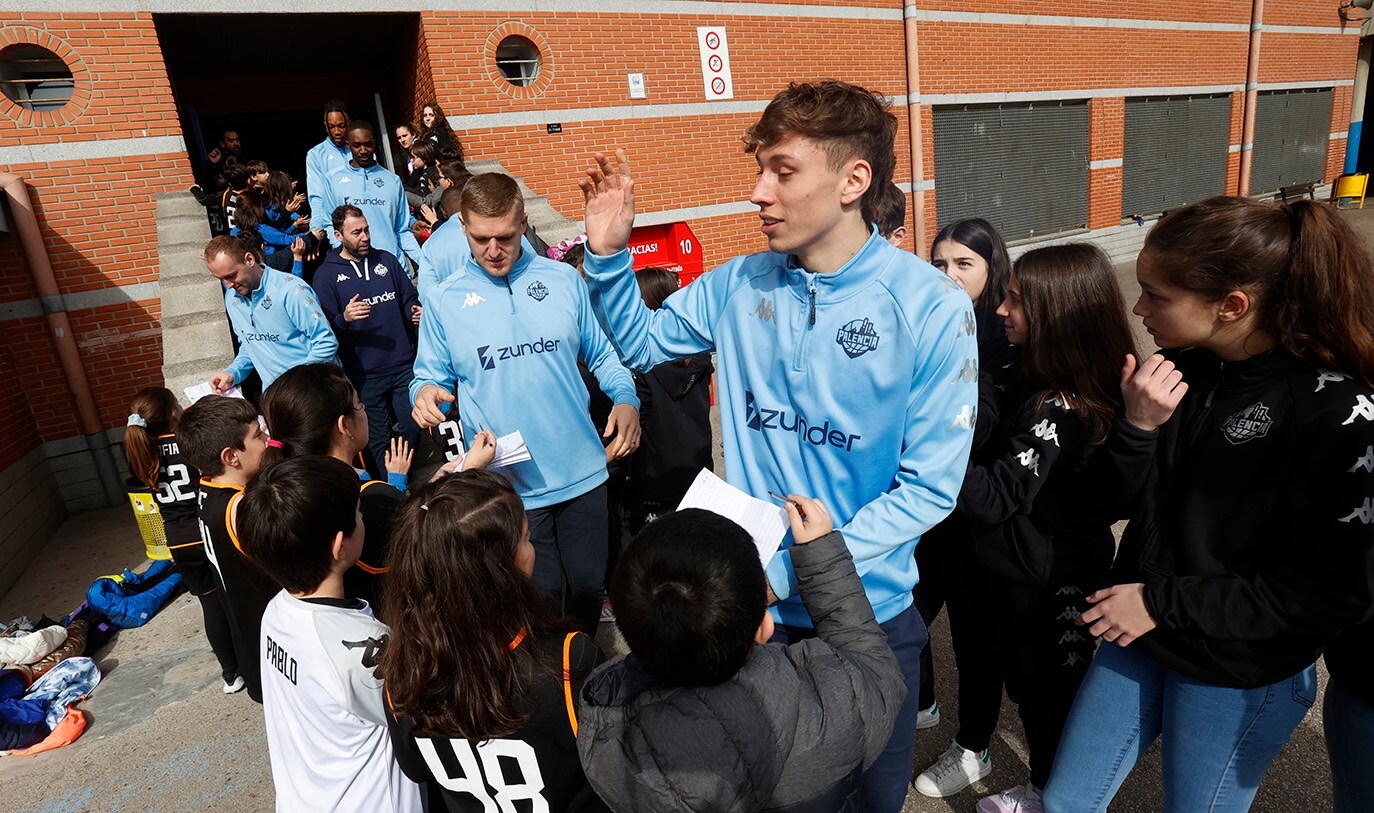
[[672, 246]]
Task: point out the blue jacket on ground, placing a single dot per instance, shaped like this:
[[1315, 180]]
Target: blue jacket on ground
[[381, 344], [279, 327], [512, 343], [378, 193], [448, 250], [858, 388], [322, 161]]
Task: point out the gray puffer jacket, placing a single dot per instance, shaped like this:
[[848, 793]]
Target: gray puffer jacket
[[790, 730]]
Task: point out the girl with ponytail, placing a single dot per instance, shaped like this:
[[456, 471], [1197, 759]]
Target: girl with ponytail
[[1245, 460], [154, 457]]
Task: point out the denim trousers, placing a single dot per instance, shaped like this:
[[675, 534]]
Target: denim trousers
[[1349, 725], [1217, 741]]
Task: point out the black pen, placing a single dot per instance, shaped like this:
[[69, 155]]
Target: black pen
[[795, 504]]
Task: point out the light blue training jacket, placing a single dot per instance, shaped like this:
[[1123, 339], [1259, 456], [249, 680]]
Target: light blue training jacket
[[323, 160], [512, 343], [858, 388], [379, 194], [448, 250], [279, 327]]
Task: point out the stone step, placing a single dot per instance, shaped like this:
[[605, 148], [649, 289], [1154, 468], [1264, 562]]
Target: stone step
[[197, 343], [176, 263], [191, 304], [183, 231], [178, 204]]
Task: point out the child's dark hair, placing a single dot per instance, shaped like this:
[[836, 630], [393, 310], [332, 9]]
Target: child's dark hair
[[302, 408], [290, 515], [471, 615], [235, 174], [575, 255], [887, 210], [982, 237], [1307, 270], [257, 167], [1077, 334], [655, 285], [279, 191], [157, 407], [689, 594], [211, 425]]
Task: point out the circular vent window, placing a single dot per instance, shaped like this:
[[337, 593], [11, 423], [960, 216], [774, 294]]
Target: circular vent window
[[518, 60], [35, 78]]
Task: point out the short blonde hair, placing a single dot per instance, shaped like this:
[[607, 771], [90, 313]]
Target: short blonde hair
[[492, 194]]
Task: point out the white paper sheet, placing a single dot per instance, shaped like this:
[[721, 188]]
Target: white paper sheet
[[202, 389], [510, 449], [765, 521]]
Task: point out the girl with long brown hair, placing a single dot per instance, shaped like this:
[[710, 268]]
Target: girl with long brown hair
[[154, 457], [1040, 552], [1244, 461], [481, 682]]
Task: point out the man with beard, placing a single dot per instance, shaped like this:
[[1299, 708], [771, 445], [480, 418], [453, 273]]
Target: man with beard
[[373, 308]]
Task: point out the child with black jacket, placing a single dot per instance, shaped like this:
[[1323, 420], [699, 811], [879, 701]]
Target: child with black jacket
[[702, 715], [1042, 553], [1244, 463]]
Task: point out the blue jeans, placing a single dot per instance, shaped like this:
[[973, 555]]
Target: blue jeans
[[387, 401], [1349, 724], [884, 785], [1218, 742]]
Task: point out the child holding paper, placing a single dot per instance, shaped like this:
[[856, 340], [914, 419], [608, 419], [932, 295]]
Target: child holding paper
[[703, 714]]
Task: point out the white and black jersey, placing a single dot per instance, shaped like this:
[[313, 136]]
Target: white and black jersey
[[324, 709]]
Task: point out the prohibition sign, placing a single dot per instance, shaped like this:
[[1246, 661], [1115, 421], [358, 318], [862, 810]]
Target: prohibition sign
[[712, 40]]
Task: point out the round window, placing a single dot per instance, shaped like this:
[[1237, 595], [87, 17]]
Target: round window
[[35, 78], [518, 60]]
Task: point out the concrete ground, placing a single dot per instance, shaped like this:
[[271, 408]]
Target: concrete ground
[[164, 738]]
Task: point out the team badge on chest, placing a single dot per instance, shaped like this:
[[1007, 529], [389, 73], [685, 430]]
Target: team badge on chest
[[537, 291], [1248, 424], [857, 337]]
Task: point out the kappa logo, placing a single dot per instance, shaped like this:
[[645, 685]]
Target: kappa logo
[[1365, 513], [857, 337], [1073, 660], [1364, 408], [1031, 460], [537, 291], [1070, 637], [967, 326], [1248, 424], [515, 351], [267, 302], [968, 373], [762, 419], [1046, 431], [1325, 377], [1366, 462], [473, 298], [1069, 614], [341, 278], [964, 420], [765, 309], [1069, 590]]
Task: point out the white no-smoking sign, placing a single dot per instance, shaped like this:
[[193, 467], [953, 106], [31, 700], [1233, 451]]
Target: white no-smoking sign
[[715, 63]]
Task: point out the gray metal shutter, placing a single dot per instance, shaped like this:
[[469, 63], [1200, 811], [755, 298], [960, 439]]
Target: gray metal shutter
[[1292, 134], [1175, 151], [1023, 167]]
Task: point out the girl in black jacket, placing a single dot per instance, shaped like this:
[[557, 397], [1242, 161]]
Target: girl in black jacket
[[1042, 553], [1247, 466]]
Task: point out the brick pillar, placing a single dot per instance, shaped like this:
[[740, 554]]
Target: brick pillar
[[1106, 143]]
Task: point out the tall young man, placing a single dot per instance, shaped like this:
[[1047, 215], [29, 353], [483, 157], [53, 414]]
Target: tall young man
[[375, 190], [275, 316], [848, 367], [324, 159], [373, 308], [508, 327]]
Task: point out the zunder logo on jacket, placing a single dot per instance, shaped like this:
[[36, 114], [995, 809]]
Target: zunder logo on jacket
[[1248, 424], [857, 337], [762, 419], [487, 356]]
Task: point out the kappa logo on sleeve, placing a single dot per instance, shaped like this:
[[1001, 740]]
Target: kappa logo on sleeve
[[1325, 377], [1365, 462], [342, 278], [857, 337], [473, 298], [1364, 408], [764, 311]]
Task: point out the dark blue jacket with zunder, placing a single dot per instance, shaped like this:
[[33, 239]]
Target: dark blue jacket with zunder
[[383, 343]]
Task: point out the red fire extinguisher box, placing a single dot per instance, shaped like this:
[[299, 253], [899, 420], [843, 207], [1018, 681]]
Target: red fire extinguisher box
[[669, 245]]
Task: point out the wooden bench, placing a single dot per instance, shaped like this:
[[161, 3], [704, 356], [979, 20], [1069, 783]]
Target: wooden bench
[[1298, 191]]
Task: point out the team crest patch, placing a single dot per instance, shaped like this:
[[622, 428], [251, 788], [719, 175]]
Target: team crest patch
[[380, 270], [378, 182], [857, 337], [537, 291], [1248, 424], [267, 303]]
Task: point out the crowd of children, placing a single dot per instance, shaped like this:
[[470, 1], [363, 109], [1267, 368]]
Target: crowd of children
[[397, 635]]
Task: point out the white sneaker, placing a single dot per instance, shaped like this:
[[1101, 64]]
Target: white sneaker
[[1020, 799], [928, 718], [235, 686], [956, 769]]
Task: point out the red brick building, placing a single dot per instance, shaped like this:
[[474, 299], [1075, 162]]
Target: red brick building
[[1051, 118]]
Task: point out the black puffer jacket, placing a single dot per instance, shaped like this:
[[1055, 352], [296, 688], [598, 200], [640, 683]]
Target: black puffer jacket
[[1252, 516], [794, 724]]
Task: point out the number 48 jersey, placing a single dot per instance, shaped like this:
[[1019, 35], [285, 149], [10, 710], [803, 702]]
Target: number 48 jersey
[[535, 769]]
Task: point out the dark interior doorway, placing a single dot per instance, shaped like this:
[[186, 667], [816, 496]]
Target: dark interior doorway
[[268, 76]]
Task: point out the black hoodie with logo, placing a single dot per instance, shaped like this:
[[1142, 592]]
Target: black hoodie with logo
[[1252, 516]]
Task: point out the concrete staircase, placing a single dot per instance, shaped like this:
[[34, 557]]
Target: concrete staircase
[[545, 219], [195, 331], [1122, 243]]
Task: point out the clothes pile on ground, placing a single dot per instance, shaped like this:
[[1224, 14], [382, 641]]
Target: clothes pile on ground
[[43, 671]]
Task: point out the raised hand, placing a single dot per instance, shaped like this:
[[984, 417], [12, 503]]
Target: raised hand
[[426, 411], [399, 456], [1152, 392], [609, 193]]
